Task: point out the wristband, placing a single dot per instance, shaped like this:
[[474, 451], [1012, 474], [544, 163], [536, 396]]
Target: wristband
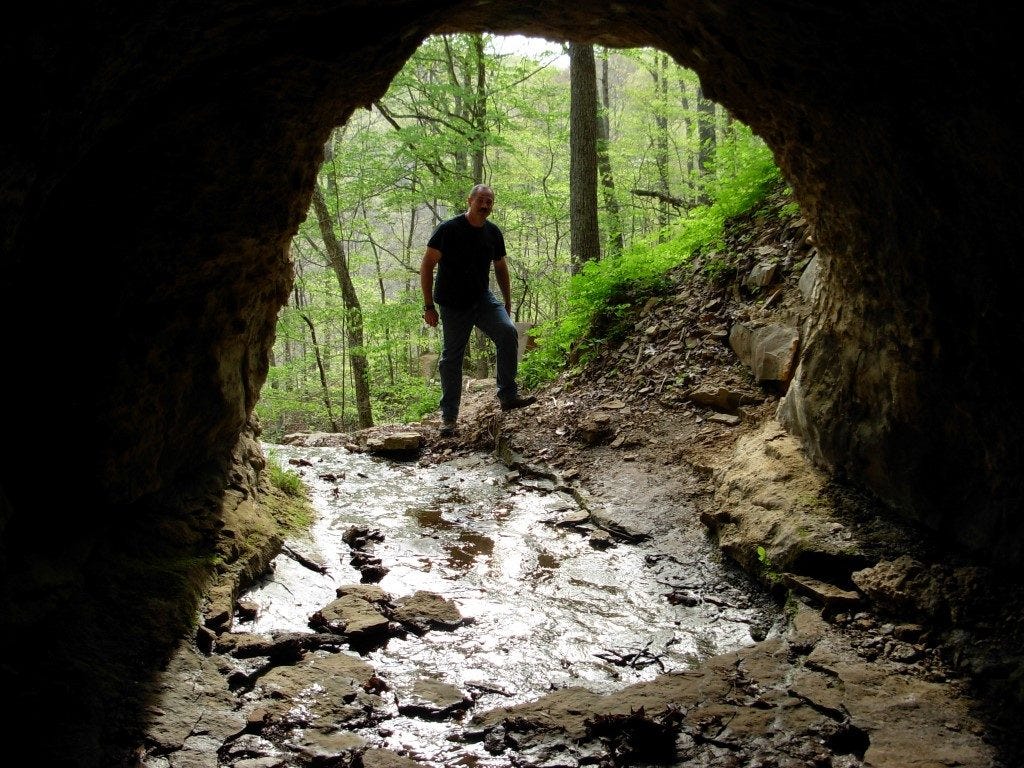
[[427, 307]]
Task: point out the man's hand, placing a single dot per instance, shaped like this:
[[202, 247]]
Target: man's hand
[[430, 259]]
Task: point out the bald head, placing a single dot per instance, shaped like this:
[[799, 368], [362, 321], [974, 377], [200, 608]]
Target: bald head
[[481, 202]]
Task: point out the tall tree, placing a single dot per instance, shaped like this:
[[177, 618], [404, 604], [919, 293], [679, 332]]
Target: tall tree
[[585, 239], [690, 162], [706, 139], [660, 75], [477, 357], [322, 370], [353, 309], [604, 163], [478, 109], [441, 112]]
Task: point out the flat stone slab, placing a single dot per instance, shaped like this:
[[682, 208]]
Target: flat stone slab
[[423, 611], [352, 616], [828, 595], [385, 758], [433, 700], [397, 442]]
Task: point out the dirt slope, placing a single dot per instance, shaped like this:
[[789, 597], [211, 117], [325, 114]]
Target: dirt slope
[[634, 396]]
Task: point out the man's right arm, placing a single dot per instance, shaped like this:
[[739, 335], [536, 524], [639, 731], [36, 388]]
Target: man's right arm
[[430, 259]]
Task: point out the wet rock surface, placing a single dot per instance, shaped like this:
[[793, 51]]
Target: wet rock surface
[[889, 649], [551, 589]]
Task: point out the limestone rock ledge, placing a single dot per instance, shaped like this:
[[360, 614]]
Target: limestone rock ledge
[[771, 512]]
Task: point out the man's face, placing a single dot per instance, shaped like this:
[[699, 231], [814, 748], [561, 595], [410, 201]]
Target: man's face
[[482, 203]]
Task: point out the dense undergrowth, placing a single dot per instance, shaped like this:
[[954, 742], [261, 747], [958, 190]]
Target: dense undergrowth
[[601, 290]]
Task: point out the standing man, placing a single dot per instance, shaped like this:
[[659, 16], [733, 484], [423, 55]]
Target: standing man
[[463, 248]]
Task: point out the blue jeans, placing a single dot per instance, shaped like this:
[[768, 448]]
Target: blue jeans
[[457, 324]]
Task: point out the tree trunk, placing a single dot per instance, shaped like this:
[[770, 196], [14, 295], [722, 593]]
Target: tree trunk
[[688, 127], [585, 239], [324, 389], [354, 312], [604, 165], [662, 140], [478, 110], [706, 134], [479, 362]]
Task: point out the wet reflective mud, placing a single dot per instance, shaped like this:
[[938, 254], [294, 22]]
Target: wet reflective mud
[[547, 603]]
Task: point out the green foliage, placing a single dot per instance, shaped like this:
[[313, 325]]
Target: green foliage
[[397, 168], [769, 572], [409, 399], [753, 173], [791, 208], [719, 271], [291, 510], [596, 293], [284, 480], [285, 407]]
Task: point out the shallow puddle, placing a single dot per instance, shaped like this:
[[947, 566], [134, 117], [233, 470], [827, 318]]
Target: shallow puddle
[[549, 608]]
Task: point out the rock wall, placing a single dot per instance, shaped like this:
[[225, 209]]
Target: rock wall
[[158, 158]]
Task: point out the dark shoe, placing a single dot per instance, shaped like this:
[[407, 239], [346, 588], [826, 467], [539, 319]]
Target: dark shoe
[[518, 402], [448, 429]]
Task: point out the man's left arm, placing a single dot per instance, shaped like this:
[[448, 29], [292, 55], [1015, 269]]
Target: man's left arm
[[504, 283]]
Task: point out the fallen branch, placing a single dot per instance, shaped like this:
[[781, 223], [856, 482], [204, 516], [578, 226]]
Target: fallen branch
[[673, 201], [303, 560]]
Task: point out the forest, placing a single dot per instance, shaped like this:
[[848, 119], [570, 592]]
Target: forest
[[608, 172]]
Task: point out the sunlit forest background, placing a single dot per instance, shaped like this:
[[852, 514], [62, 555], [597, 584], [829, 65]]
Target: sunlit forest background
[[609, 168]]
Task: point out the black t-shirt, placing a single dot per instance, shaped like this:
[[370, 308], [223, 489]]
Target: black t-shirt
[[464, 272]]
